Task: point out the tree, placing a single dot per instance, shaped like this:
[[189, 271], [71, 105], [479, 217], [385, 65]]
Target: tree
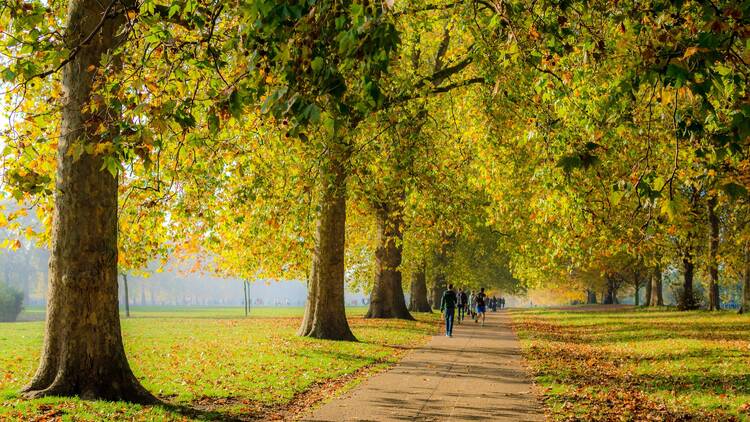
[[657, 298], [83, 352], [418, 291], [714, 302]]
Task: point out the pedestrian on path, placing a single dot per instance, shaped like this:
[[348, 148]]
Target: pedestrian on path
[[472, 304], [448, 307], [461, 304], [481, 305]]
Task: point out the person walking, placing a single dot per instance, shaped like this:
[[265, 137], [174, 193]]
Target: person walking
[[481, 299], [448, 307], [461, 304], [471, 304]]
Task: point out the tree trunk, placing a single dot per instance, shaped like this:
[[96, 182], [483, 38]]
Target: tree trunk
[[244, 294], [637, 293], [746, 282], [657, 298], [687, 301], [590, 297], [418, 298], [714, 302], [610, 296], [127, 298], [83, 353], [387, 297], [649, 292], [438, 288], [325, 314]]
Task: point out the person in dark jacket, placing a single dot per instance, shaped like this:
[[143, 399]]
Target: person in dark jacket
[[462, 304], [448, 307]]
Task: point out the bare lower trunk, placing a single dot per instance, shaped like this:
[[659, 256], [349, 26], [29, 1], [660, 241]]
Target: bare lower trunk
[[438, 288], [325, 315], [637, 296], [746, 282], [610, 295], [590, 297], [127, 297], [418, 298], [714, 302], [688, 300], [387, 297], [83, 353], [244, 297], [657, 298], [649, 292]]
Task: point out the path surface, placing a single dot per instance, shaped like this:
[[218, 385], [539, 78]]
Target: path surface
[[475, 375]]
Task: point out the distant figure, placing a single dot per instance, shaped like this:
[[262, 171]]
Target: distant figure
[[462, 304], [493, 304], [481, 305], [472, 304], [502, 302], [448, 307]]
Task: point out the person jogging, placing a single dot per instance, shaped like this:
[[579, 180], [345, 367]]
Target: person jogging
[[448, 307], [461, 304], [481, 305]]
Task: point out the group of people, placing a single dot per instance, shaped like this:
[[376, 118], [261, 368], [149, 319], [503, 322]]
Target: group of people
[[473, 304]]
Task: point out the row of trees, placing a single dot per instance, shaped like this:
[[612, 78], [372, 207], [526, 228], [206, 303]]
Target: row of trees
[[552, 143]]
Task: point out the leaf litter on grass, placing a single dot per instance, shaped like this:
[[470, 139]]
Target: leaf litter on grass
[[632, 365]]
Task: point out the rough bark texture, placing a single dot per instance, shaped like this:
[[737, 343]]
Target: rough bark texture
[[649, 292], [657, 298], [387, 297], [325, 315], [418, 298], [83, 353], [714, 302]]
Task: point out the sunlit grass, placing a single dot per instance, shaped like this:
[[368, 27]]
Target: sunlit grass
[[639, 363], [189, 357]]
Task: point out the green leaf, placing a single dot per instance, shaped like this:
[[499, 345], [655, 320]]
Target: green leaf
[[734, 190], [317, 64]]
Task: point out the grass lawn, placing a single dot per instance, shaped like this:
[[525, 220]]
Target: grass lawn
[[212, 363], [637, 364]]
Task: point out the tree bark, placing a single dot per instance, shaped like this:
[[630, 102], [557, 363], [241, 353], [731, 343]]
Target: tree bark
[[590, 297], [637, 293], [649, 292], [244, 296], [657, 297], [418, 298], [687, 301], [714, 302], [438, 288], [387, 297], [746, 282], [127, 298], [83, 353], [610, 295], [325, 314]]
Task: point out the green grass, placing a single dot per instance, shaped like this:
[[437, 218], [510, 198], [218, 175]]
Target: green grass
[[633, 364], [211, 363]]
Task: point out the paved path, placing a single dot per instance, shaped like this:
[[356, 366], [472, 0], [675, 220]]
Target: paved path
[[475, 375]]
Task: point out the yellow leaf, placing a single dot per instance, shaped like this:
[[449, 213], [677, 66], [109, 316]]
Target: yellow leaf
[[690, 51]]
